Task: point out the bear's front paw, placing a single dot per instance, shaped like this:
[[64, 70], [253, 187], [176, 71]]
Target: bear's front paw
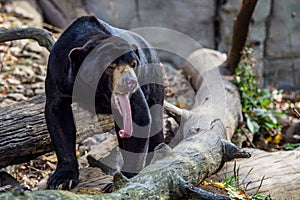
[[63, 179]]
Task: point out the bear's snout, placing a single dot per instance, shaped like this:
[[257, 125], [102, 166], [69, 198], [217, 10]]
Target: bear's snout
[[131, 84]]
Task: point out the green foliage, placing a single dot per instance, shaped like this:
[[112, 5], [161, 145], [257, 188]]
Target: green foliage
[[237, 188], [231, 184], [256, 102], [290, 146], [260, 197]]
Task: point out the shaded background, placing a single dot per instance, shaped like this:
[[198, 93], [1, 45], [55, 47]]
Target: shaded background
[[274, 32]]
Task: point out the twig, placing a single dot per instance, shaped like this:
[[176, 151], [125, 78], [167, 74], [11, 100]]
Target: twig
[[52, 28], [173, 111], [261, 181], [243, 181], [251, 143], [297, 113], [197, 193]]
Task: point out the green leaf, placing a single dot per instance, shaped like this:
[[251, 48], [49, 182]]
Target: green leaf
[[272, 118], [265, 103], [252, 126], [260, 197], [259, 111], [270, 125], [290, 146]]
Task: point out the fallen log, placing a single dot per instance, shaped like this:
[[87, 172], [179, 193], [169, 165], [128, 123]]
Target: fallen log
[[273, 173], [172, 173], [24, 135]]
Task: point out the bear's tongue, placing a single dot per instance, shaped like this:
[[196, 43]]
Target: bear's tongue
[[123, 104]]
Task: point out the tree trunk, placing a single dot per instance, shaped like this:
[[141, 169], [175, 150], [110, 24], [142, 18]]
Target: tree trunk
[[240, 33], [24, 135]]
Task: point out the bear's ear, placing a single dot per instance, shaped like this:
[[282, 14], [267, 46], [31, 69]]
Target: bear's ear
[[76, 56], [135, 48]]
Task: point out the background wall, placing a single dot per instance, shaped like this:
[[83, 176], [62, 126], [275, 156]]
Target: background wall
[[275, 30]]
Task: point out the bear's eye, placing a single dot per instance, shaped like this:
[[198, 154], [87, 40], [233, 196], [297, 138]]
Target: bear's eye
[[112, 66], [133, 64]]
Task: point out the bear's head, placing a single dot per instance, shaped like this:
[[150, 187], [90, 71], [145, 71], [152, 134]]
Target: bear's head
[[110, 63]]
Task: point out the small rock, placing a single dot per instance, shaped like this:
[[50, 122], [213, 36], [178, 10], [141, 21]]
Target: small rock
[[26, 74], [33, 47], [16, 96], [39, 91], [39, 69], [40, 78], [15, 48], [292, 133], [38, 85], [29, 93], [13, 81]]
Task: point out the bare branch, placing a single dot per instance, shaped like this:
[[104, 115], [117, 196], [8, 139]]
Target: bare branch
[[43, 37]]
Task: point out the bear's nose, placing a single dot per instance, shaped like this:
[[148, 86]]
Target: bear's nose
[[131, 84]]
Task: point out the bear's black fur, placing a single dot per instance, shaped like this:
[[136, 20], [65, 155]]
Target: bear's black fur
[[90, 45]]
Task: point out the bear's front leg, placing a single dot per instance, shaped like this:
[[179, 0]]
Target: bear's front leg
[[62, 130], [60, 123]]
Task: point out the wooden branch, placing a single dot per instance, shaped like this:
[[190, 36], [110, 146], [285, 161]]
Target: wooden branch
[[43, 37], [240, 32], [173, 111]]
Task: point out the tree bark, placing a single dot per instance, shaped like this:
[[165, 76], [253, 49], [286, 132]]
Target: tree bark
[[24, 135], [240, 32]]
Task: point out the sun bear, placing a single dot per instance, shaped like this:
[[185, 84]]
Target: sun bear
[[106, 70]]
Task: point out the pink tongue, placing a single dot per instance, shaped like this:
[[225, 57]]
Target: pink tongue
[[125, 110]]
